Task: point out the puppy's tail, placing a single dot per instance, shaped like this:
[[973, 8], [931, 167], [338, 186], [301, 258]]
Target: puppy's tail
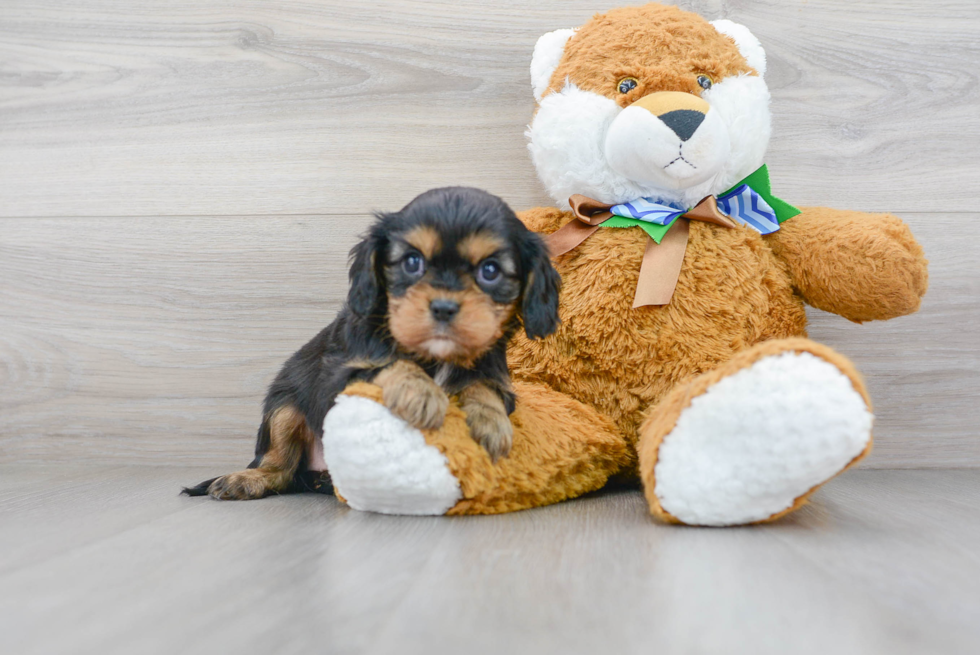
[[199, 489]]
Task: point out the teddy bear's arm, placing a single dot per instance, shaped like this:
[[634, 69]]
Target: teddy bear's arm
[[861, 266], [562, 449]]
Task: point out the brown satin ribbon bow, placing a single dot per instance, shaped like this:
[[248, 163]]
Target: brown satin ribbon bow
[[661, 262]]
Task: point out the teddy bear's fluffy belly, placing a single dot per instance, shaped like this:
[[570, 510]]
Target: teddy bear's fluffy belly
[[732, 293]]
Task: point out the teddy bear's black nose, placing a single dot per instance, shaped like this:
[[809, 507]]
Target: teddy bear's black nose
[[684, 122]]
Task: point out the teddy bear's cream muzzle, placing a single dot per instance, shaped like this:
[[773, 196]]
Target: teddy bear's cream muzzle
[[669, 139]]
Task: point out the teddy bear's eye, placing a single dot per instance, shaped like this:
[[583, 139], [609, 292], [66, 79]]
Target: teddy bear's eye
[[704, 82], [627, 84]]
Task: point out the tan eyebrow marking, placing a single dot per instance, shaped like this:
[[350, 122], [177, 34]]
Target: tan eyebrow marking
[[479, 246], [425, 239]]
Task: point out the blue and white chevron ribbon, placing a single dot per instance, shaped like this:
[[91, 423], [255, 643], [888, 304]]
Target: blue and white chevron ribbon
[[644, 209], [748, 208], [742, 204]]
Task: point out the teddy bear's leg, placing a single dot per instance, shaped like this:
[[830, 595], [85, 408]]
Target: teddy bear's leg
[[562, 449], [752, 439]]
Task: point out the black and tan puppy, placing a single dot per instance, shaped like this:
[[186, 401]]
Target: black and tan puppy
[[437, 290]]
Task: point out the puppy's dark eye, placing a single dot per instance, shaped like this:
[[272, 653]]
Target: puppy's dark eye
[[627, 84], [704, 82], [413, 264], [488, 272]]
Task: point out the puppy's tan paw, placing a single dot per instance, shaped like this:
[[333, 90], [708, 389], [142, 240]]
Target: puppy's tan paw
[[491, 428], [244, 485], [422, 407], [413, 396], [487, 418]]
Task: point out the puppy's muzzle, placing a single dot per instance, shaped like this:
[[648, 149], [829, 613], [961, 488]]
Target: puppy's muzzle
[[444, 310]]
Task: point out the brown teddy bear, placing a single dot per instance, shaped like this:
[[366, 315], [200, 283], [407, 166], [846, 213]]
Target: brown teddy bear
[[682, 356]]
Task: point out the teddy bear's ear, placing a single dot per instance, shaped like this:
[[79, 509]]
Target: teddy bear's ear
[[547, 55], [747, 44]]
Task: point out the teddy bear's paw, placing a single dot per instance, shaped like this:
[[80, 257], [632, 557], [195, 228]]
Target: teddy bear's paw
[[754, 444], [379, 463]]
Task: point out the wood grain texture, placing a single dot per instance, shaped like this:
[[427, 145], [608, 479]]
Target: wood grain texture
[[155, 338], [879, 563], [230, 107], [181, 182], [152, 340]]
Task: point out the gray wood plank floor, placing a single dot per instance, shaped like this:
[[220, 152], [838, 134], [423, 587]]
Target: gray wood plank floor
[[111, 560]]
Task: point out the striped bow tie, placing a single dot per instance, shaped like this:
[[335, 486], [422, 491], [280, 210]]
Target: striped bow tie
[[749, 203]]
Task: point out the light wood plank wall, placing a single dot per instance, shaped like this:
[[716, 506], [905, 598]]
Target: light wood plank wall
[[180, 183]]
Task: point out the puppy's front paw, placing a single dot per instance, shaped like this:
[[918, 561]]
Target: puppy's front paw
[[412, 395], [421, 406], [491, 428], [487, 418]]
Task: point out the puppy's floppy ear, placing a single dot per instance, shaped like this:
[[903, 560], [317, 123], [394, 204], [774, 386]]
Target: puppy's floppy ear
[[539, 301], [366, 270]]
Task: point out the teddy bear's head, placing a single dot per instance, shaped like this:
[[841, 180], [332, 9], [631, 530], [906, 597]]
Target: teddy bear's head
[[648, 102]]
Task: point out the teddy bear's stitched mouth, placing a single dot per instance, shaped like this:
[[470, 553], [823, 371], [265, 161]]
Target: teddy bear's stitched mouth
[[680, 157]]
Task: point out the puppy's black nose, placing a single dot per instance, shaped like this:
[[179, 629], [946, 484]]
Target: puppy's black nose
[[443, 309], [684, 122]]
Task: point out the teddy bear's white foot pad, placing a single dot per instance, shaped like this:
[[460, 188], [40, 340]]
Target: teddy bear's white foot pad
[[379, 463], [757, 440]]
